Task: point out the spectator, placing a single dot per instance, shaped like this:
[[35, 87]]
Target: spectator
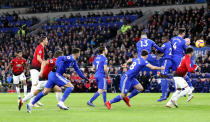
[[154, 86]]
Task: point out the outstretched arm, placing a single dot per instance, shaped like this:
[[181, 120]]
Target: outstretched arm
[[78, 71], [154, 67]]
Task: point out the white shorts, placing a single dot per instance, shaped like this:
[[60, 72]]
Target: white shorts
[[180, 82], [34, 76], [41, 85], [18, 78]]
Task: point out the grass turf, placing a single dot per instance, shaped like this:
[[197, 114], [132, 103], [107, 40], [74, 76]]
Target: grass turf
[[144, 108]]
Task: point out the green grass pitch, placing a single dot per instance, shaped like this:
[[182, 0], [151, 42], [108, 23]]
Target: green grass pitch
[[144, 108]]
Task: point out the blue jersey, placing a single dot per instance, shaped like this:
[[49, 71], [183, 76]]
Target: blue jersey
[[179, 46], [137, 65], [65, 62], [99, 63], [167, 48], [146, 44]]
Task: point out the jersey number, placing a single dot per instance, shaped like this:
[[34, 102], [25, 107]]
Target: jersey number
[[97, 63], [170, 53], [144, 44], [132, 65], [174, 46]]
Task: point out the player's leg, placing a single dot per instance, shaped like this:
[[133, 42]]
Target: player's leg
[[16, 80], [137, 88], [100, 90], [104, 90], [58, 92], [190, 96], [23, 79]]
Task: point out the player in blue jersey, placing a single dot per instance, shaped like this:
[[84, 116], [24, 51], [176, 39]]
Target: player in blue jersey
[[56, 77], [147, 44], [167, 63], [100, 66], [129, 81]]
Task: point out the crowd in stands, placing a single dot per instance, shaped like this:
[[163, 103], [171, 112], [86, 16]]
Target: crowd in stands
[[37, 6], [95, 29]]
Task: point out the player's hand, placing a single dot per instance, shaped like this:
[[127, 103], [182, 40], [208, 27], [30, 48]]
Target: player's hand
[[162, 67], [124, 65]]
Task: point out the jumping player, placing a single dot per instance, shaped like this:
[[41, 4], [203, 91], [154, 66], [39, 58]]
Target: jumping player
[[46, 67], [36, 64], [128, 80], [180, 83], [56, 77], [18, 65], [100, 66], [147, 44], [167, 63]]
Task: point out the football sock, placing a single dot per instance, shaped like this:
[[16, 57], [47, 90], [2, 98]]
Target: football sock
[[164, 87], [116, 99], [25, 89], [133, 93], [94, 97], [27, 97], [184, 92], [104, 96], [58, 96], [38, 97], [188, 81], [18, 91], [67, 93]]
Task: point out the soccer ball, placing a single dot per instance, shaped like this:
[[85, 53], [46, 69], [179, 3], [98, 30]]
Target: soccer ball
[[199, 43]]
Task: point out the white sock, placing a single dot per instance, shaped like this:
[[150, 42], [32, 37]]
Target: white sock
[[18, 91], [25, 90], [28, 96], [175, 94], [33, 88], [58, 96], [184, 92]]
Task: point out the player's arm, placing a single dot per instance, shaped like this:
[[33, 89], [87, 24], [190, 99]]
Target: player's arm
[[188, 65], [127, 62], [8, 67], [44, 63], [66, 75], [39, 58], [106, 68], [158, 48], [155, 67], [78, 71], [94, 68]]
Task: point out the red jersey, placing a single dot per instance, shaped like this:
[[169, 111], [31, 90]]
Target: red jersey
[[17, 65], [185, 66], [48, 68], [39, 51]]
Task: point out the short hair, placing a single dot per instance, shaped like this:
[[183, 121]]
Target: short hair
[[144, 53], [101, 49], [165, 37], [143, 33], [189, 50], [19, 51], [43, 38], [75, 50], [181, 30], [58, 53]]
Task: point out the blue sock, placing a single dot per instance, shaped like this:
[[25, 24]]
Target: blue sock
[[94, 97], [133, 93], [104, 96], [188, 81], [116, 99], [164, 87], [66, 93], [38, 97]]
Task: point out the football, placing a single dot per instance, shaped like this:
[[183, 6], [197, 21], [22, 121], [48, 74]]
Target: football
[[199, 43]]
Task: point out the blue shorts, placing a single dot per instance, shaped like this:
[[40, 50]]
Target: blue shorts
[[102, 82], [127, 83], [167, 63], [55, 79], [176, 61]]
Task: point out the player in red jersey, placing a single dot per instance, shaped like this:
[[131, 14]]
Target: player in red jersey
[[36, 64], [46, 67], [180, 83], [18, 65]]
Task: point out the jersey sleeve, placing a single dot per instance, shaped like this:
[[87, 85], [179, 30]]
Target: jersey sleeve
[[163, 47], [188, 65], [39, 51], [11, 62], [77, 70], [94, 62], [157, 47], [51, 62]]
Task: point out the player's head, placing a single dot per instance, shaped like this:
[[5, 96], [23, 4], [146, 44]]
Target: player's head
[[165, 39], [44, 40], [102, 50], [144, 54], [182, 32], [76, 53], [143, 35], [190, 51], [58, 53], [19, 53]]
